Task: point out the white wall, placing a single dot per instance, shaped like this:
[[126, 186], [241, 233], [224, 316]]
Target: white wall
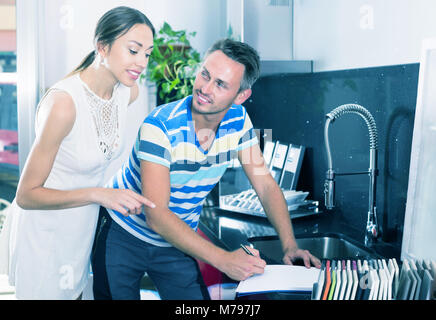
[[69, 30], [344, 34], [70, 26], [335, 34]]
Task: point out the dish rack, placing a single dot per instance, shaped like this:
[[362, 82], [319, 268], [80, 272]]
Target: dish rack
[[284, 161], [248, 202]]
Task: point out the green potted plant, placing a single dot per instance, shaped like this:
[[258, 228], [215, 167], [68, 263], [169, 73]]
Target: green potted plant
[[172, 65]]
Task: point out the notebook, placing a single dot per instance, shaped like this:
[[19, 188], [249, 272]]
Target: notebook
[[284, 278]]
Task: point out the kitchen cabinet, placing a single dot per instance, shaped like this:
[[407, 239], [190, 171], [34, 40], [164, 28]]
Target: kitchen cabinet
[[266, 25]]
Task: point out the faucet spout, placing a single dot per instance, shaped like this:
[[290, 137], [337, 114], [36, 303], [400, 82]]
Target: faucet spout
[[329, 189], [372, 229]]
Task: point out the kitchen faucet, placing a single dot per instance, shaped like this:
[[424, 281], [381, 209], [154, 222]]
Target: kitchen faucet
[[372, 229]]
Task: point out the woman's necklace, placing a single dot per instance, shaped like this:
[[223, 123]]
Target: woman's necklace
[[105, 116]]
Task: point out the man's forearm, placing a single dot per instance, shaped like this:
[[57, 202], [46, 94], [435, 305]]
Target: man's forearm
[[277, 212]]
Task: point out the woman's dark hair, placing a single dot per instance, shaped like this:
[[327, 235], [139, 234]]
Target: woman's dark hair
[[242, 53], [112, 25]]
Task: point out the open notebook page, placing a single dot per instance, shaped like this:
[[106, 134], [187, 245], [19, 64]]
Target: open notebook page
[[280, 278]]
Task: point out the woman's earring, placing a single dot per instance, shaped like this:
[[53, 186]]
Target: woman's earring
[[97, 61], [104, 62]]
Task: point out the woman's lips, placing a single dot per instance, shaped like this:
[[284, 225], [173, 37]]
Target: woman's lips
[[133, 74]]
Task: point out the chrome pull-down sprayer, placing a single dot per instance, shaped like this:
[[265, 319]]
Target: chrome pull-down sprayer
[[372, 229]]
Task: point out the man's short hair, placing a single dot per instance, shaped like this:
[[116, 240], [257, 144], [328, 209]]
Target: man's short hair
[[242, 53]]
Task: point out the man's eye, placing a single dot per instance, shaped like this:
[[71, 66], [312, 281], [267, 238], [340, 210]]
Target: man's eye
[[133, 51]]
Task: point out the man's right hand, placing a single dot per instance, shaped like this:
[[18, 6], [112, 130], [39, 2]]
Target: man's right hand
[[239, 265]]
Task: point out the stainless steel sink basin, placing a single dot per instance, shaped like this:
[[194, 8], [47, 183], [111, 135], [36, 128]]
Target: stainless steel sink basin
[[323, 246]]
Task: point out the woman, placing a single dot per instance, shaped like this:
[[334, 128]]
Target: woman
[[79, 127]]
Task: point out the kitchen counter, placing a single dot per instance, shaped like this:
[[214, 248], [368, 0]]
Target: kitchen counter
[[229, 229]]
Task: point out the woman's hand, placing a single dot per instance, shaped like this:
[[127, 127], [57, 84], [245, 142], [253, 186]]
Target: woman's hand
[[124, 201]]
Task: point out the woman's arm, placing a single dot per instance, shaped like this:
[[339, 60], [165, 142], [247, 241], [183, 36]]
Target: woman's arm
[[31, 193]]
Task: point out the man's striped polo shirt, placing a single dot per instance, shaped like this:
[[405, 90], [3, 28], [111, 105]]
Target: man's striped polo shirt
[[167, 137]]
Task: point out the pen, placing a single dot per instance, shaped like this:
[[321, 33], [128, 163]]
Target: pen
[[246, 250]]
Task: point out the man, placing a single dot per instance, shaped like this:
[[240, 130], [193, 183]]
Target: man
[[182, 151]]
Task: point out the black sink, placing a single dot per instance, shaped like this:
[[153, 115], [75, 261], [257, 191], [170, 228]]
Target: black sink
[[323, 246]]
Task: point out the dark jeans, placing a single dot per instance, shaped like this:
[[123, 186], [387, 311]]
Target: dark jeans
[[120, 260]]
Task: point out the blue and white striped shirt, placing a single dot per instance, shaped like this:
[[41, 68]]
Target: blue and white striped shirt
[[167, 137]]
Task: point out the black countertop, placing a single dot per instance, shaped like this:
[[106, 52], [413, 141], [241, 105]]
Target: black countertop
[[229, 229]]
